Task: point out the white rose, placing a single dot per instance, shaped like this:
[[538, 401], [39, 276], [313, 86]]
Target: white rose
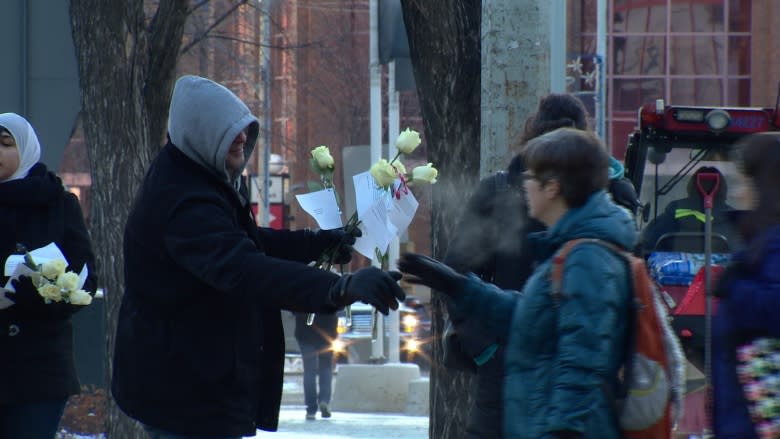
[[407, 141], [322, 155], [50, 292], [52, 269], [425, 174], [383, 173], [399, 167], [80, 297], [68, 281]]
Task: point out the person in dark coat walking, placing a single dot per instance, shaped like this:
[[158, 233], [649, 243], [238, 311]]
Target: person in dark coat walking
[[37, 366], [199, 342], [490, 240], [315, 342], [749, 292]]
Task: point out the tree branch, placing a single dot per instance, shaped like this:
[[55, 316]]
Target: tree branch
[[213, 25]]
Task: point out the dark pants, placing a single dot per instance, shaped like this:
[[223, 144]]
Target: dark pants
[[32, 420], [317, 362], [156, 433]]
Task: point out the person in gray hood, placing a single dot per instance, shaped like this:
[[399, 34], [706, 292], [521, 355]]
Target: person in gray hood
[[199, 342]]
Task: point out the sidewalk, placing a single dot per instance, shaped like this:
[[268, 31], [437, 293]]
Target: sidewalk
[[293, 425], [342, 425]]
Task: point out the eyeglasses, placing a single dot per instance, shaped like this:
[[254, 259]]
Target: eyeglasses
[[528, 175]]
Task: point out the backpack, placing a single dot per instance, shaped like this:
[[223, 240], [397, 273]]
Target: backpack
[[648, 401]]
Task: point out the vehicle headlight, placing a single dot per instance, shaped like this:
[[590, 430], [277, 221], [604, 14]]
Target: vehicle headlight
[[338, 346], [409, 323], [412, 345], [341, 326]]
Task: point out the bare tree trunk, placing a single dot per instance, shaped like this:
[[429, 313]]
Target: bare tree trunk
[[444, 41], [125, 73]]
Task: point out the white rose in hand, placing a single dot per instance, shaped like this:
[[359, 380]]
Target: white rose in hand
[[68, 281], [425, 174], [407, 141], [322, 155], [383, 172], [53, 269], [80, 297], [50, 292], [400, 169]]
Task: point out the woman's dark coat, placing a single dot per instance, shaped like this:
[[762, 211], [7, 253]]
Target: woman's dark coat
[[36, 349], [200, 345], [749, 308]]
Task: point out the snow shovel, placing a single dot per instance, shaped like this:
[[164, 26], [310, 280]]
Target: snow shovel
[[709, 180]]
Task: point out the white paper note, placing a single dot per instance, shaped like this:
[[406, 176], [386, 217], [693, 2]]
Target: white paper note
[[376, 229], [322, 206], [366, 191], [39, 255], [401, 208]]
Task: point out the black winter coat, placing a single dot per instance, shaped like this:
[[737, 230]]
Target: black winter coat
[[36, 350], [490, 241], [199, 344]]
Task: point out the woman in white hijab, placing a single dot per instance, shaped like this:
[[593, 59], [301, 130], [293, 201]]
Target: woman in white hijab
[[37, 367]]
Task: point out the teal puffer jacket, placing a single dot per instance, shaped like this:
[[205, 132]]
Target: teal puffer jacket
[[558, 358]]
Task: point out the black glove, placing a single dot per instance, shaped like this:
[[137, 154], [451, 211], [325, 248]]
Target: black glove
[[430, 272], [336, 241], [29, 303], [369, 285], [26, 297]]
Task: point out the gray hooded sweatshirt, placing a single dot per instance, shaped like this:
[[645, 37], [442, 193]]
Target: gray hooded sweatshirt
[[204, 119]]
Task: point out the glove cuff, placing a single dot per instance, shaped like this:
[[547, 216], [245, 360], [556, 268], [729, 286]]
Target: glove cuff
[[338, 292]]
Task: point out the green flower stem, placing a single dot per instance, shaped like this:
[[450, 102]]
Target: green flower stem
[[384, 262], [28, 259], [325, 261]]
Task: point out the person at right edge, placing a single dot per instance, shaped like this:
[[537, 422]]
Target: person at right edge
[[491, 241], [561, 351], [199, 342], [749, 300]]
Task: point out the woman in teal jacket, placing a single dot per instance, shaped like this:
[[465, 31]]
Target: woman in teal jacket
[[560, 353]]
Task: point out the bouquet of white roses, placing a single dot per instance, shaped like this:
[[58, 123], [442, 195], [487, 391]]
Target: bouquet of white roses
[[385, 174], [53, 282], [392, 178]]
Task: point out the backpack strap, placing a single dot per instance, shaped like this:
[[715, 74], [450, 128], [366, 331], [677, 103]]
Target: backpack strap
[[560, 257], [556, 280]]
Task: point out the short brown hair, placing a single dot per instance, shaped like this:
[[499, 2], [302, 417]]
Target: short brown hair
[[576, 158]]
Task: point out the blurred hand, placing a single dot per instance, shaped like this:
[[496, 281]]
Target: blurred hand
[[432, 273], [369, 285], [26, 297], [29, 303], [338, 241]]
